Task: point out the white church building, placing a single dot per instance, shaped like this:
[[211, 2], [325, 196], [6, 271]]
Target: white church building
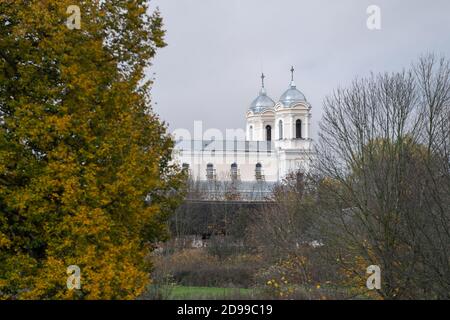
[[277, 142]]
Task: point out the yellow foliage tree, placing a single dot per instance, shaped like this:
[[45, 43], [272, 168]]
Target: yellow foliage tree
[[85, 174]]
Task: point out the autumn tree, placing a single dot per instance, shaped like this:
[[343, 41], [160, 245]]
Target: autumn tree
[[383, 158], [85, 165]]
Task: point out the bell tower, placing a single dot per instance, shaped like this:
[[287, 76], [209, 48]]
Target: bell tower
[[260, 116]]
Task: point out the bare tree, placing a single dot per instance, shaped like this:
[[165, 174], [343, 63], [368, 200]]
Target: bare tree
[[384, 166], [284, 224]]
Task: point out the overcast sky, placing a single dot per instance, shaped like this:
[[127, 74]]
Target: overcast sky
[[211, 68]]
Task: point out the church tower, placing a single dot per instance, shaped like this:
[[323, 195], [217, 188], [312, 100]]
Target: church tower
[[292, 129], [288, 120], [292, 114], [261, 117]]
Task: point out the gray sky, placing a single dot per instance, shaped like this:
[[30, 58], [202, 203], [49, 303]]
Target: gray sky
[[217, 49]]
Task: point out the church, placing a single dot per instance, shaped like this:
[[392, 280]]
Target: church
[[278, 142]]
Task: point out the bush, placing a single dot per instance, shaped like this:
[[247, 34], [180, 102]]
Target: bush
[[301, 277], [225, 247], [195, 267]]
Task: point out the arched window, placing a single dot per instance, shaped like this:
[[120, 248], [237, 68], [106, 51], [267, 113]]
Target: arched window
[[210, 171], [250, 133], [234, 171], [280, 129], [258, 171], [268, 133], [298, 129]]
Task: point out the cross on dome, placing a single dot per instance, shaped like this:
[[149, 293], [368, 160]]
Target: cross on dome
[[292, 95], [262, 101]]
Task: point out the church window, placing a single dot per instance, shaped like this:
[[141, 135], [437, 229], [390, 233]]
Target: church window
[[280, 130], [210, 171], [268, 133], [234, 171], [258, 171], [298, 129]]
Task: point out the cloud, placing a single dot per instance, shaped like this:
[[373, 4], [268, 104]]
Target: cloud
[[217, 50]]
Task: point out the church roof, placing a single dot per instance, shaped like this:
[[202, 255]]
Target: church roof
[[262, 101], [225, 145], [292, 95]]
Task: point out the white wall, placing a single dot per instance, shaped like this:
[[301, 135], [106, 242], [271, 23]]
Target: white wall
[[222, 164]]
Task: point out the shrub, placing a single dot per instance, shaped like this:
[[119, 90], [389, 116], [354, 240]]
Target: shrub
[[195, 267]]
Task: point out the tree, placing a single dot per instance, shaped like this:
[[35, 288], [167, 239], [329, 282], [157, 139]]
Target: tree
[[283, 226], [85, 173], [384, 146]]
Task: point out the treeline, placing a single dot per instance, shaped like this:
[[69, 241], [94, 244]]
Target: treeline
[[379, 192]]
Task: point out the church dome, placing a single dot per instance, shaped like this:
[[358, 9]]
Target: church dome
[[262, 101], [292, 95]]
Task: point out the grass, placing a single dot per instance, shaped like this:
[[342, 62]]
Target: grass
[[177, 292], [194, 293]]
